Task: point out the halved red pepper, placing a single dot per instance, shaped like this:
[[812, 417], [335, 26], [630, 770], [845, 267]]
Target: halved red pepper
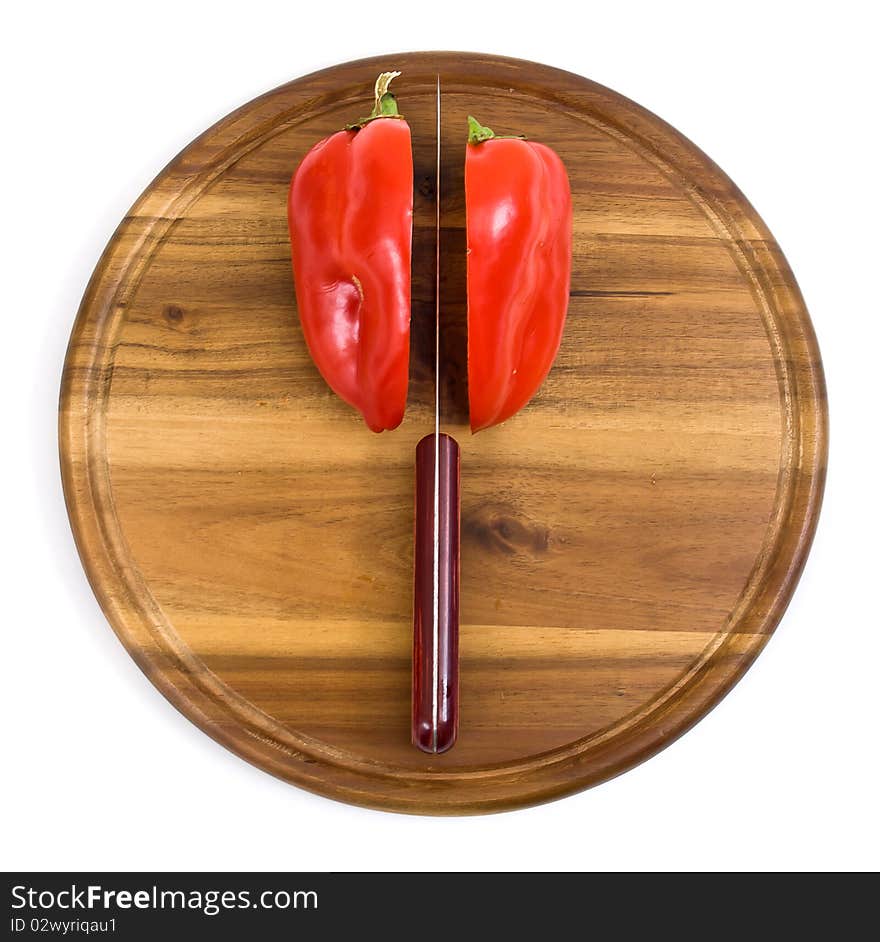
[[350, 216], [519, 230]]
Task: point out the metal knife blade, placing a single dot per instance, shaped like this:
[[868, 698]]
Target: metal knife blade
[[437, 268]]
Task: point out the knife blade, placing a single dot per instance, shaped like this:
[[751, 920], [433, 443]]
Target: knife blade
[[436, 552]]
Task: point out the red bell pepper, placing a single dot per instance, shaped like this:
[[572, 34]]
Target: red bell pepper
[[519, 225], [350, 215]]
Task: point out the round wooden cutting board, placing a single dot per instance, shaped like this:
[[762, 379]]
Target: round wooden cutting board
[[629, 540]]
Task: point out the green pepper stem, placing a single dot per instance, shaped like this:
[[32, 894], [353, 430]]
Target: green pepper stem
[[477, 133], [384, 102]]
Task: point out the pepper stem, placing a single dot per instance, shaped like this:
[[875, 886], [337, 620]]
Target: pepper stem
[[384, 102], [477, 133]]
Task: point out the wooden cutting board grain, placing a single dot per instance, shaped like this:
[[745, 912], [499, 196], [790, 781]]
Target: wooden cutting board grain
[[630, 539]]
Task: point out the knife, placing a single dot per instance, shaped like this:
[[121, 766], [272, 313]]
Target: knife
[[436, 553]]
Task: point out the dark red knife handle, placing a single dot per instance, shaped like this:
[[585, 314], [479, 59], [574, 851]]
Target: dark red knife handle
[[435, 596]]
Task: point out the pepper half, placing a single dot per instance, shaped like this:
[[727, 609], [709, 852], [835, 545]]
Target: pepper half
[[350, 211], [519, 231]]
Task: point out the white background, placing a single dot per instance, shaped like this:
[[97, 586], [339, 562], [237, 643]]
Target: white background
[[101, 772]]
